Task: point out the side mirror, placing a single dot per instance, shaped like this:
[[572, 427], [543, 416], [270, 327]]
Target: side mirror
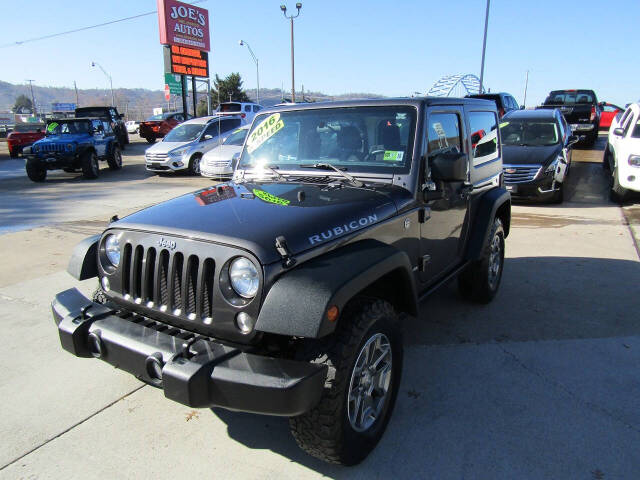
[[521, 107], [618, 132], [573, 139], [449, 167], [206, 137]]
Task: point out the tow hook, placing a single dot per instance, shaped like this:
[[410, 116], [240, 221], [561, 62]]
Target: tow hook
[[281, 245]]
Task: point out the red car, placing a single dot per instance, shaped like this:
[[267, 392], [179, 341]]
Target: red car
[[609, 112], [23, 136], [157, 126]]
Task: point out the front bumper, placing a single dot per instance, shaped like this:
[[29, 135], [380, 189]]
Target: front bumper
[[192, 370], [167, 164], [538, 189], [215, 170], [54, 160]]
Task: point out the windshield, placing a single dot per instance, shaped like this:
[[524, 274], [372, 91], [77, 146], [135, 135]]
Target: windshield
[[160, 116], [67, 127], [371, 139], [636, 130], [568, 98], [185, 133], [237, 137], [530, 133], [229, 107]]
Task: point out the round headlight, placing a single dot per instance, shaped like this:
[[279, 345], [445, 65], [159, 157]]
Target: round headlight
[[112, 249], [244, 277]]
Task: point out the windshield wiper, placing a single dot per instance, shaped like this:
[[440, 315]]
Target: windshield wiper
[[328, 166]]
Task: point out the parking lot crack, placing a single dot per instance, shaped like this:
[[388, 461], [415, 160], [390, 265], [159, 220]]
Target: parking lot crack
[[585, 403], [49, 440]]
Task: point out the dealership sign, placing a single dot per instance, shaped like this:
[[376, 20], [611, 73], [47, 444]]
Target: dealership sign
[[183, 25], [186, 61]]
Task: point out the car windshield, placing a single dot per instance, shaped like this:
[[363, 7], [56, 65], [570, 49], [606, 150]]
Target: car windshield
[[367, 139], [529, 132], [62, 127], [237, 137], [158, 117], [185, 133], [636, 130], [568, 98]]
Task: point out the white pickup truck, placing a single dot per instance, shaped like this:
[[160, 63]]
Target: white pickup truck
[[622, 153]]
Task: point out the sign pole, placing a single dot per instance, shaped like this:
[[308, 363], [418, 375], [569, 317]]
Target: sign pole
[[185, 111], [195, 96]]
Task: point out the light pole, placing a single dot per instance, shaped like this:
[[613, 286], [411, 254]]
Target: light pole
[[526, 84], [255, 59], [96, 64], [293, 77], [484, 45], [34, 111]]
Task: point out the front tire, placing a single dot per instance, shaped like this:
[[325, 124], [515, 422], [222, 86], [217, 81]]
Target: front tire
[[479, 282], [150, 139], [90, 167], [35, 171], [617, 193], [364, 359], [115, 159], [194, 165]]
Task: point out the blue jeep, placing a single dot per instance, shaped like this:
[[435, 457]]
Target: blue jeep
[[73, 144]]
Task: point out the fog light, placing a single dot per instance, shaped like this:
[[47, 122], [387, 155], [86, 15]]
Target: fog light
[[244, 322], [631, 178], [178, 164], [105, 284]]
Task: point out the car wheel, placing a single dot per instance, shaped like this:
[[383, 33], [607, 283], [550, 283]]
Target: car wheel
[[115, 159], [617, 193], [606, 158], [35, 171], [90, 167], [364, 360], [194, 165], [479, 282], [13, 153], [150, 139]]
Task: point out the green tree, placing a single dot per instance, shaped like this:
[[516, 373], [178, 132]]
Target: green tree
[[229, 89], [23, 105]]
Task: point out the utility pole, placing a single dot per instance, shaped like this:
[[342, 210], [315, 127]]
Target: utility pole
[[293, 76], [76, 89], [526, 84], [34, 110], [484, 45]]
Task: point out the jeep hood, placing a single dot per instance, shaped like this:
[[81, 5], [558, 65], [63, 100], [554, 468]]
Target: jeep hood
[[64, 138], [252, 214]]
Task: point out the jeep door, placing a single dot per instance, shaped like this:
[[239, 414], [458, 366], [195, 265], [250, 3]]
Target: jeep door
[[441, 232], [99, 137]]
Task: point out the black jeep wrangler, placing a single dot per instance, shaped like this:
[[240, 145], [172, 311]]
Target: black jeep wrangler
[[111, 115], [283, 291]]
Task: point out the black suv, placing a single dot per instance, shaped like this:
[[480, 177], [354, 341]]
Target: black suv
[[504, 101], [111, 115], [284, 291]]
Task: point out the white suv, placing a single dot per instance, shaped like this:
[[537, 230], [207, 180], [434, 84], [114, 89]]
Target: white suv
[[183, 147], [622, 154], [247, 110]]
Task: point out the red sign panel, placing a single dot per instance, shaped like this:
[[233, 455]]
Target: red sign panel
[[183, 25]]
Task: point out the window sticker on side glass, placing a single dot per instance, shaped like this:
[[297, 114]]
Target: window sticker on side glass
[[265, 130], [52, 126], [393, 156]]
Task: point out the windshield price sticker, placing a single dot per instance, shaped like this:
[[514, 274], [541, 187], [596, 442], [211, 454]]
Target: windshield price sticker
[[267, 197], [267, 128], [393, 156], [504, 124], [52, 126]]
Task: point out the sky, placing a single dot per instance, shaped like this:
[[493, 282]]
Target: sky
[[389, 48]]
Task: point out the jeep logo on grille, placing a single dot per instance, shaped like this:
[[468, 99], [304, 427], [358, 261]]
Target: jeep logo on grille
[[164, 243]]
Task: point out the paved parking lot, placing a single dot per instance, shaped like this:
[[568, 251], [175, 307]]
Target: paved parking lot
[[542, 383]]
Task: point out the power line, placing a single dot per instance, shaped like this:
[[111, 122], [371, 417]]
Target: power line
[[35, 39]]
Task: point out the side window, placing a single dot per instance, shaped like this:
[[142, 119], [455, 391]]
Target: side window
[[256, 108], [229, 124], [443, 133], [247, 108], [561, 127], [95, 124], [107, 127], [626, 124], [484, 136], [178, 117], [114, 115]]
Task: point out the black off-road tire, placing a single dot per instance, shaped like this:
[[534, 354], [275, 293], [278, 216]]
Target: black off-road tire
[[35, 171], [150, 139], [617, 193], [473, 282], [90, 166], [115, 159], [325, 431], [14, 153]]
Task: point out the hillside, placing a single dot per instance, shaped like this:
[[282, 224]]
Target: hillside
[[138, 103]]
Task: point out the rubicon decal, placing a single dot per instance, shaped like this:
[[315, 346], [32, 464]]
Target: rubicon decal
[[342, 229]]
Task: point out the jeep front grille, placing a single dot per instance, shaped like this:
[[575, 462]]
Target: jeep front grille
[[52, 147], [520, 173], [169, 282]]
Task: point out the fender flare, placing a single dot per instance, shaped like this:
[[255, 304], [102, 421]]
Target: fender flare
[[83, 263], [297, 303], [496, 202]]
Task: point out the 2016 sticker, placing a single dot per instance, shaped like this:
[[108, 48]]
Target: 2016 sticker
[[265, 130]]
